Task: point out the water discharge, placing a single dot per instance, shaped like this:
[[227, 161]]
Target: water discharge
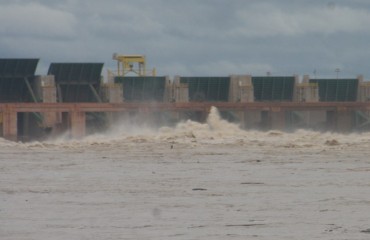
[[214, 131]]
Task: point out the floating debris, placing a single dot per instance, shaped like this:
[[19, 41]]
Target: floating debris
[[252, 183], [244, 225], [332, 142], [197, 226], [199, 189]]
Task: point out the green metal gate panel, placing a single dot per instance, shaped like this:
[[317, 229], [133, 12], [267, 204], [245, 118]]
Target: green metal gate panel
[[13, 75], [210, 89], [273, 88], [14, 90], [76, 73], [77, 82], [337, 90], [75, 93], [18, 67], [142, 89]]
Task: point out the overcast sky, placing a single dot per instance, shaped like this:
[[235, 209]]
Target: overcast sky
[[194, 37]]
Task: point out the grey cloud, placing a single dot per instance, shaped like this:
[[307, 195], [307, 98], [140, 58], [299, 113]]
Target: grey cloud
[[192, 37], [264, 20], [35, 20]]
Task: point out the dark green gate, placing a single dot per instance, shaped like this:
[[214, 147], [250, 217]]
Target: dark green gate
[[142, 89], [337, 90], [273, 88], [210, 89]]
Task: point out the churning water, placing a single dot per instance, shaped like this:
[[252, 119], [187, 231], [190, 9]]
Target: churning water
[[193, 181]]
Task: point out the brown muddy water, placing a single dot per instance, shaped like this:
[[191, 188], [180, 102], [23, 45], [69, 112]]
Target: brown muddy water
[[194, 181]]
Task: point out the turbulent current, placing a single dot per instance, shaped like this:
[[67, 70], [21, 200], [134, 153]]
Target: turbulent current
[[208, 180]]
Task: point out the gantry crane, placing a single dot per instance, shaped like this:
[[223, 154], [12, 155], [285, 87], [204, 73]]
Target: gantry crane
[[125, 65]]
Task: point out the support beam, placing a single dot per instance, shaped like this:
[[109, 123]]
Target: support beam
[[32, 93], [96, 95], [10, 125], [362, 119], [188, 106], [78, 124]]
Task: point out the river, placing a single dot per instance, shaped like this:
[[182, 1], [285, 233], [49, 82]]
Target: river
[[192, 181]]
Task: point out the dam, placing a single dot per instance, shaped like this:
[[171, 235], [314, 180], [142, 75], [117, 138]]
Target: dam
[[75, 98]]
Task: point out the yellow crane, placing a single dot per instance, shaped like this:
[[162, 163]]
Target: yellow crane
[[126, 64]]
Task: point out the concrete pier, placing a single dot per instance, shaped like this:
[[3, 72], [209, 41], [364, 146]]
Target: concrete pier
[[78, 124], [10, 130], [345, 120]]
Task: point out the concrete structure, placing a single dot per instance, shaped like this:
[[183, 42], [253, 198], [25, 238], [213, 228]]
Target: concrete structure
[[241, 88], [168, 92], [273, 114], [73, 98], [180, 91], [362, 119], [306, 91], [364, 92], [111, 92], [45, 91]]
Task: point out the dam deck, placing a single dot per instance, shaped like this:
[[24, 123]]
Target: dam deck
[[189, 106]]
